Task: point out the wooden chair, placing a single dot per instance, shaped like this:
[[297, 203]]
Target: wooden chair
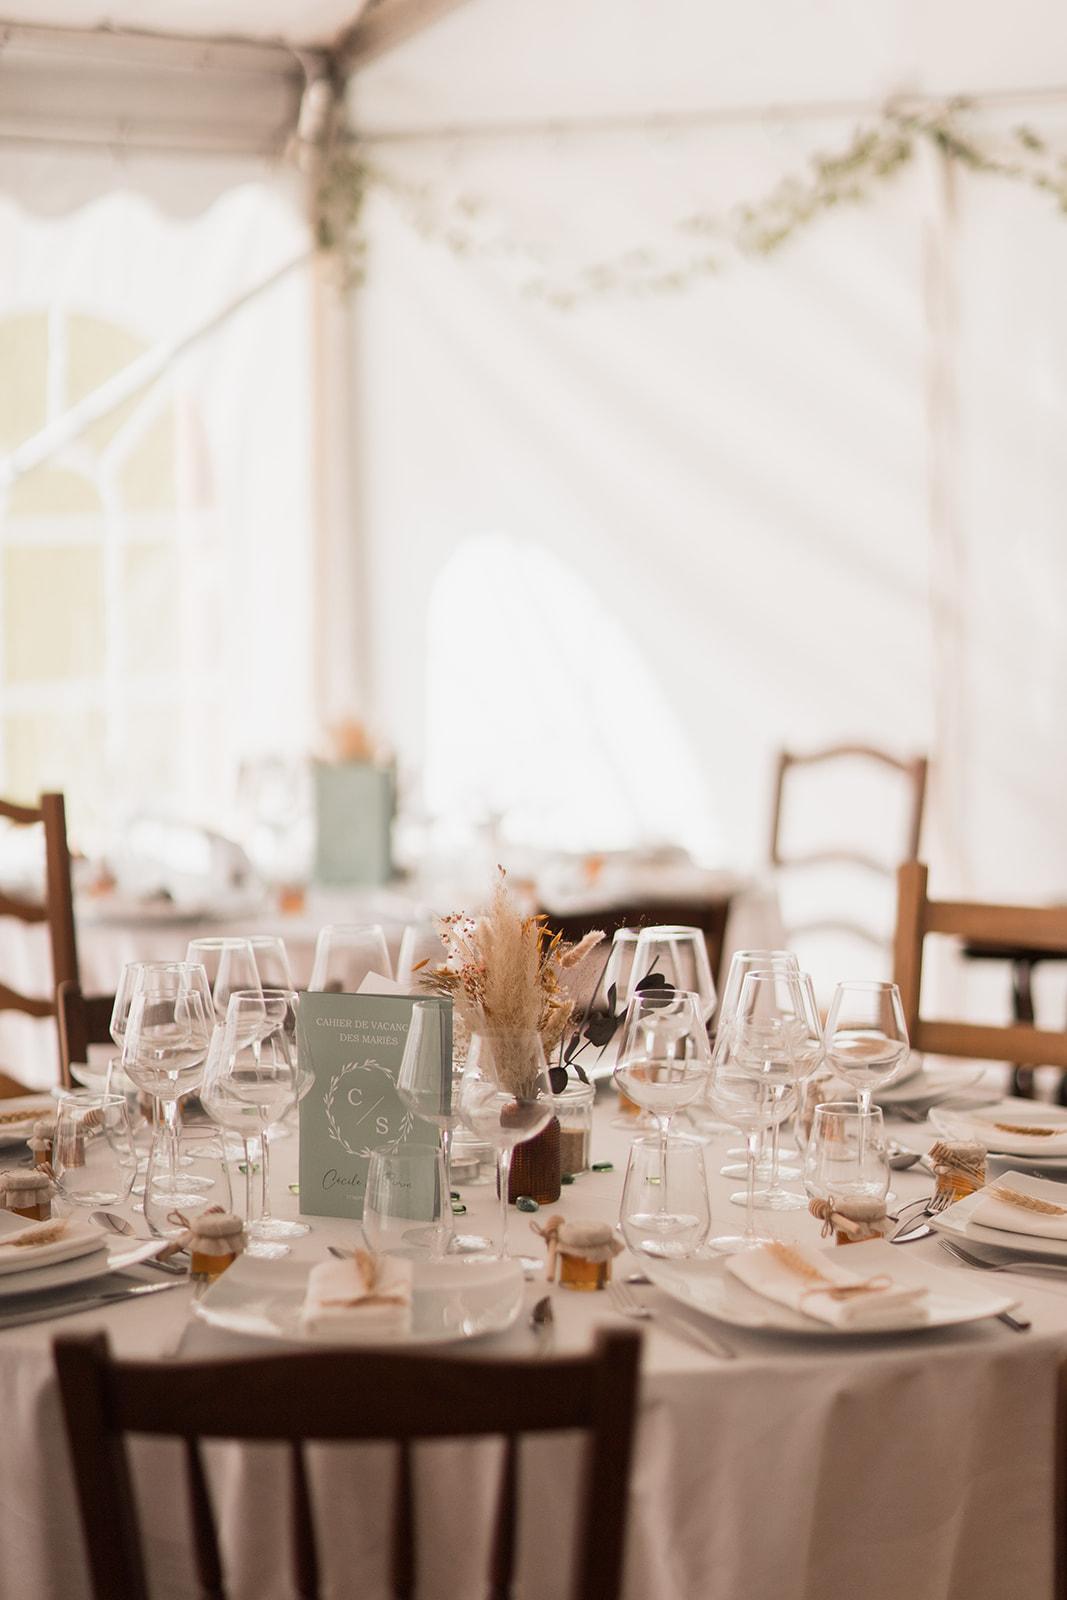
[[83, 1020], [327, 1395], [57, 910], [914, 773], [1039, 928]]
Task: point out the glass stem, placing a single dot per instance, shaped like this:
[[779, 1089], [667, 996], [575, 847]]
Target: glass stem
[[248, 1181], [663, 1125], [446, 1157], [752, 1140], [504, 1170], [172, 1124], [775, 1139], [264, 1176], [865, 1108]]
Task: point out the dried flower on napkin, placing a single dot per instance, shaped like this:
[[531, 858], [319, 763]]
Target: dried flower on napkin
[[43, 1233]]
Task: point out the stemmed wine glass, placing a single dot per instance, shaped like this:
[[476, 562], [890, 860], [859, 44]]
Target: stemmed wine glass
[[742, 962], [346, 954], [799, 989], [272, 961], [753, 1084], [680, 957], [165, 1043], [250, 1084], [280, 1013], [866, 1035], [504, 1099], [429, 1082], [230, 964], [664, 1059]]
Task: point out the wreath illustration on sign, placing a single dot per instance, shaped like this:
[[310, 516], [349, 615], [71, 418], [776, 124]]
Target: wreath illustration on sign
[[407, 1121]]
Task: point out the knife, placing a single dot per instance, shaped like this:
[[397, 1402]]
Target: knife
[[87, 1302]]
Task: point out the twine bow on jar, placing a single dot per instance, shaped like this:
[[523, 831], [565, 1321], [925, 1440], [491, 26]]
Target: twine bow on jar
[[853, 1220]]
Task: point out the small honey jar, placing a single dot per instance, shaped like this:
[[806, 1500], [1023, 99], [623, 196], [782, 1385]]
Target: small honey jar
[[216, 1239], [959, 1167], [584, 1252], [27, 1193], [40, 1141], [851, 1221]]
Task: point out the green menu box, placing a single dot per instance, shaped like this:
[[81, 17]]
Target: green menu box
[[354, 1045]]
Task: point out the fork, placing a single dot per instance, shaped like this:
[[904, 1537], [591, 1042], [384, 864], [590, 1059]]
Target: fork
[[627, 1304], [966, 1258], [910, 1229]]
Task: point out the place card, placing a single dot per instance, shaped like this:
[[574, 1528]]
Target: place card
[[353, 1045]]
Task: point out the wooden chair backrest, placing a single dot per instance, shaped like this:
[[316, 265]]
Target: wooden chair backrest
[[349, 1396], [57, 909], [83, 1020], [913, 769], [1036, 927]]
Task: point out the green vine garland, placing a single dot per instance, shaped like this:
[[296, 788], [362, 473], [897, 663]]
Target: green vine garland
[[708, 240]]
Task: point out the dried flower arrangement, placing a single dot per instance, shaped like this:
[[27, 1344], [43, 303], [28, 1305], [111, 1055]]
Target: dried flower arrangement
[[507, 973]]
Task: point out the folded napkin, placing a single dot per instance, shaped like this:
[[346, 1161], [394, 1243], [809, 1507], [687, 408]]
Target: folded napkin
[[40, 1244], [1003, 1205], [1008, 1127], [811, 1282], [362, 1297]]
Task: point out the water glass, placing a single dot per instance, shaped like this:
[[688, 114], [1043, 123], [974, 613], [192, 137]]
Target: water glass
[[346, 954], [204, 1180], [407, 1209], [93, 1157], [664, 1210], [847, 1157]]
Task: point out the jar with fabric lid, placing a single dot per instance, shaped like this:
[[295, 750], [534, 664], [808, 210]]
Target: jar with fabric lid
[[583, 1252], [852, 1220], [40, 1141], [28, 1193], [959, 1167], [216, 1239]]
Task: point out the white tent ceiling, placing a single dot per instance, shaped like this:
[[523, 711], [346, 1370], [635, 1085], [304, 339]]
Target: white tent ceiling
[[299, 22]]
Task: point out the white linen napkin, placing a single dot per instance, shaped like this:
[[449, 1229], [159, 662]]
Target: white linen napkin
[[811, 1282], [40, 1244], [1038, 1217], [363, 1297]]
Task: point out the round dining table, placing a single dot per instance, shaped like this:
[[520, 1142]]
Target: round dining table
[[807, 1467]]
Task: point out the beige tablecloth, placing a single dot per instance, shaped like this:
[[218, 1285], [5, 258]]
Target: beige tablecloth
[[807, 1469]]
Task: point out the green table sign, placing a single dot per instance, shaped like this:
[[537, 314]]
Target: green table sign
[[354, 1044]]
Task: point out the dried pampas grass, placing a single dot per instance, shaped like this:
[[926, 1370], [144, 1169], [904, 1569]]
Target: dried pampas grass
[[505, 971]]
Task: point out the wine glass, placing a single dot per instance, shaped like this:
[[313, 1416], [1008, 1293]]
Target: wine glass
[[742, 962], [272, 961], [429, 1082], [230, 964], [793, 993], [345, 954], [664, 1210], [92, 1148], [504, 1099], [847, 1156], [664, 1058], [262, 1069], [235, 1114], [407, 1209], [866, 1035], [164, 1047], [753, 1081], [421, 946], [680, 957]]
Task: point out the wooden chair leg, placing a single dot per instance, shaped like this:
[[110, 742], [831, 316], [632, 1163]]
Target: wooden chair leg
[[1022, 971]]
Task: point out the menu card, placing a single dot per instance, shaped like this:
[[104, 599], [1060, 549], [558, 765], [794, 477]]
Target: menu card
[[353, 1045]]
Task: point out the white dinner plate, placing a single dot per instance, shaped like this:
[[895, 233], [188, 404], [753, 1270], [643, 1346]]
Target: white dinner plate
[[956, 1221], [954, 1297], [452, 1300], [31, 1107], [977, 1124], [116, 1254], [934, 1083]]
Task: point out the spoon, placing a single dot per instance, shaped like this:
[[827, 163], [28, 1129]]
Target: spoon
[[543, 1325], [901, 1158], [113, 1223]]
